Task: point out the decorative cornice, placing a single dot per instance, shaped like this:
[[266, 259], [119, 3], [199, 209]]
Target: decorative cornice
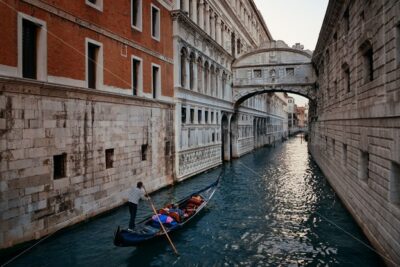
[[331, 19], [228, 7], [261, 18], [182, 17]]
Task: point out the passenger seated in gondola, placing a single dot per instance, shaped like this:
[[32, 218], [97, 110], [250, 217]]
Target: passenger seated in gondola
[[173, 211], [192, 205], [165, 219], [196, 200]]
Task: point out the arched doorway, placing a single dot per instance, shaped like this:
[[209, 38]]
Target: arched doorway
[[225, 139], [234, 137], [255, 132]]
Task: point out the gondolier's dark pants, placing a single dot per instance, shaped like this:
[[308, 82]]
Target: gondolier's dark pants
[[132, 211]]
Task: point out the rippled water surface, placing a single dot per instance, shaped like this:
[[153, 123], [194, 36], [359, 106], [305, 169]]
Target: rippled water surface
[[272, 208]]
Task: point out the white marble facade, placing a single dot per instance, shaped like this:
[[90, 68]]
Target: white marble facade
[[208, 35]]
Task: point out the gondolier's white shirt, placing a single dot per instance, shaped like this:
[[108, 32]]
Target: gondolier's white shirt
[[135, 195]]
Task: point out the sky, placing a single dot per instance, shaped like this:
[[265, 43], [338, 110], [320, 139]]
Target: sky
[[294, 21]]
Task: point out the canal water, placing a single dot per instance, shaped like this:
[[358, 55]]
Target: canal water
[[273, 207]]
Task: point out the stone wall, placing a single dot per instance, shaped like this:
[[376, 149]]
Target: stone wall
[[39, 121], [355, 132]]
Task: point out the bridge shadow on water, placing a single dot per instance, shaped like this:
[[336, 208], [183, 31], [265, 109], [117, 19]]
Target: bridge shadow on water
[[273, 207]]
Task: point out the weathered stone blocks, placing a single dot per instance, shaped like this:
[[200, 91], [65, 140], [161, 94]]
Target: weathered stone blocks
[[36, 127]]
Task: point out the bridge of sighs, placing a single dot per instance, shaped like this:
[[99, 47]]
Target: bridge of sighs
[[273, 67]]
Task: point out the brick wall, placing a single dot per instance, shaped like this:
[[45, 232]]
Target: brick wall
[[69, 23]]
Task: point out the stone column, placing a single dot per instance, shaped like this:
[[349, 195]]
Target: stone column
[[201, 14], [217, 84], [187, 70], [212, 24], [186, 6], [218, 29], [222, 33], [178, 5], [199, 76], [207, 19], [195, 75], [194, 11]]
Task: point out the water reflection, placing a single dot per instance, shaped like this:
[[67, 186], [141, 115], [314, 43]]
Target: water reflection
[[266, 212]]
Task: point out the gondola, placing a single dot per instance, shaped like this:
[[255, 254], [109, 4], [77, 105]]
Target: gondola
[[150, 229]]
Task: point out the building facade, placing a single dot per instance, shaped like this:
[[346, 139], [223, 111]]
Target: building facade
[[208, 37], [355, 131], [86, 109]]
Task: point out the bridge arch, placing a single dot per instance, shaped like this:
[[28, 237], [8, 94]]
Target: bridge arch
[[274, 67]]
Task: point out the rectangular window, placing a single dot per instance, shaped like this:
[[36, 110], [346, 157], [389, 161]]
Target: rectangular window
[[233, 39], [144, 152], [109, 158], [155, 22], [183, 115], [136, 14], [167, 148], [368, 63], [335, 41], [136, 75], [333, 147], [347, 79], [290, 72], [191, 115], [199, 118], [59, 166], [257, 73], [363, 166], [156, 85], [335, 88], [29, 49], [344, 155], [92, 60], [97, 4], [206, 116], [398, 44], [346, 20], [212, 116], [394, 186]]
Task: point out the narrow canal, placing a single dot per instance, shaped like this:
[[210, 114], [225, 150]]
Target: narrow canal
[[273, 207]]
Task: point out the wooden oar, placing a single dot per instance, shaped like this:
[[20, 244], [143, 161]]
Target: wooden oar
[[162, 226]]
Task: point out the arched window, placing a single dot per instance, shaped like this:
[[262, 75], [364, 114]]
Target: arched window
[[199, 75], [183, 67], [206, 77], [223, 84], [191, 71], [217, 82], [212, 80]]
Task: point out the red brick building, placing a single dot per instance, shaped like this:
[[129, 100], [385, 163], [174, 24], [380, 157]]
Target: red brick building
[[61, 38], [86, 109]]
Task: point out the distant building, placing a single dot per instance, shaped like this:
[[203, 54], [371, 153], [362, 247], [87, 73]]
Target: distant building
[[292, 114], [302, 116]]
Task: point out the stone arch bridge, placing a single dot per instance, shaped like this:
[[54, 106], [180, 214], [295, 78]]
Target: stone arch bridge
[[274, 67]]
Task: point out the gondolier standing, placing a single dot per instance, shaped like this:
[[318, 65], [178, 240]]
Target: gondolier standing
[[135, 195]]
